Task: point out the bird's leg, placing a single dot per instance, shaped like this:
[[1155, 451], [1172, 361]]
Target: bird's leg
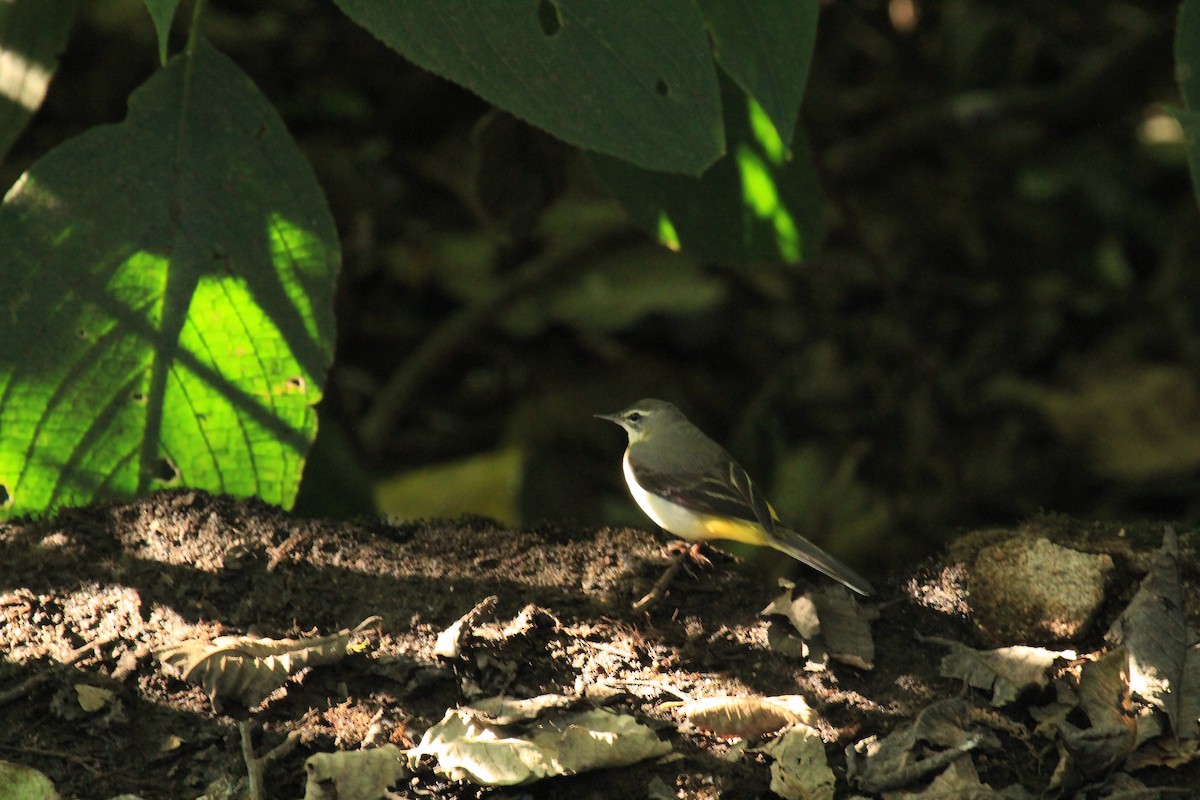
[[698, 558]]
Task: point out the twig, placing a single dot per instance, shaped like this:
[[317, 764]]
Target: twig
[[662, 687], [255, 764], [254, 767], [659, 590], [394, 398], [87, 763], [23, 689]]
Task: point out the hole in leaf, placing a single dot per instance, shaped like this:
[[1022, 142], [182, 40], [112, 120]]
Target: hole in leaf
[[662, 88], [5, 497], [296, 383], [548, 17], [137, 397], [165, 471]]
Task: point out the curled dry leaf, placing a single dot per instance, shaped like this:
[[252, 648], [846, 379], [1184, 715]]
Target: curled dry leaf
[[748, 717], [449, 642], [467, 748], [248, 669], [354, 775]]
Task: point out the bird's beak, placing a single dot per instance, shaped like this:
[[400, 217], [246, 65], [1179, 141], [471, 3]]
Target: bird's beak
[[610, 417]]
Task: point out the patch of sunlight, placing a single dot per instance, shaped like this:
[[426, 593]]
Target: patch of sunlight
[[29, 193], [296, 252], [787, 237], [904, 15], [762, 198], [1160, 127], [667, 234], [21, 80], [758, 187], [488, 484], [139, 285], [765, 133]]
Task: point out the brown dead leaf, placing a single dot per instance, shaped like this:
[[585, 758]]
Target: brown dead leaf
[[248, 669]]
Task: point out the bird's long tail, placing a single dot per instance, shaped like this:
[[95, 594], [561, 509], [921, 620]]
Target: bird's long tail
[[788, 541]]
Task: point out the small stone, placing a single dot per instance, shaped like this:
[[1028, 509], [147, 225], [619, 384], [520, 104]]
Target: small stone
[[1032, 591]]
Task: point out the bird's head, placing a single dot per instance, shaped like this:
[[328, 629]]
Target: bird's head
[[643, 417]]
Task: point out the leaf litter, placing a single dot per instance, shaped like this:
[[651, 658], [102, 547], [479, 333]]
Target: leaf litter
[[557, 666]]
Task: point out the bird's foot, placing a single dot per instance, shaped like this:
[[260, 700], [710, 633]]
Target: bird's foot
[[692, 551]]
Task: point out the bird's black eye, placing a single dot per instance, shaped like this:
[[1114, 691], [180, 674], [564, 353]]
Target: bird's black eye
[[633, 416]]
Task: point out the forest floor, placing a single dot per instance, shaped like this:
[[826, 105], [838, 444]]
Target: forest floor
[[88, 597]]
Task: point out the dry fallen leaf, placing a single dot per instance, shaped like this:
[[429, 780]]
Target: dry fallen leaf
[[1007, 671], [92, 698], [831, 619], [503, 710], [747, 717], [959, 781], [449, 642], [1112, 731], [937, 736], [354, 775], [467, 748], [247, 668], [800, 770], [1164, 659]]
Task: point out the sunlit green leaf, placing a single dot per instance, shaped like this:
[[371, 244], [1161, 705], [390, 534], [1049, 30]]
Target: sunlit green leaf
[[766, 46], [167, 309], [758, 203], [632, 80]]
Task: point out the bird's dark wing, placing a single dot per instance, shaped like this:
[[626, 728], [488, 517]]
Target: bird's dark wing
[[724, 491]]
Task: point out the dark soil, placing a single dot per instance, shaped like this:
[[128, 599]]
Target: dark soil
[[109, 585]]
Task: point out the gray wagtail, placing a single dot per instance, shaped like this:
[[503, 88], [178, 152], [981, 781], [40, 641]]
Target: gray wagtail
[[691, 487]]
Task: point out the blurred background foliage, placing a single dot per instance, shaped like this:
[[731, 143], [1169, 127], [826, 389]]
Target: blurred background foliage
[[1001, 317]]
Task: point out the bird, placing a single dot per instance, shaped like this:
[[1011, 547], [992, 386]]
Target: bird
[[691, 487]]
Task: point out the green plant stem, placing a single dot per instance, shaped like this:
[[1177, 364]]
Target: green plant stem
[[194, 28]]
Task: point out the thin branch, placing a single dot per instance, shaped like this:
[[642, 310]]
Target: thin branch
[[78, 654]]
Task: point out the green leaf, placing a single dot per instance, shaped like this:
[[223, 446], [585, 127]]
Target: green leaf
[[766, 46], [163, 14], [32, 34], [758, 203], [633, 80], [167, 313], [1187, 69]]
